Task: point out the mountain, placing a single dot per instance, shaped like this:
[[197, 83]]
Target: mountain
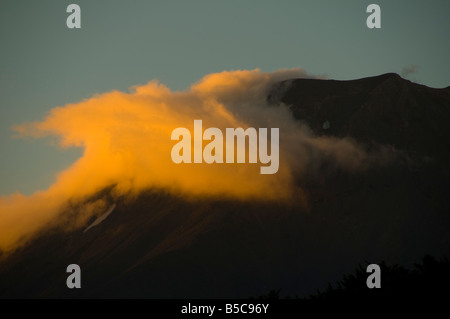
[[162, 246], [385, 109]]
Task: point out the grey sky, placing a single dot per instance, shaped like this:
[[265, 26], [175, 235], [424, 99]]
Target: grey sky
[[123, 43]]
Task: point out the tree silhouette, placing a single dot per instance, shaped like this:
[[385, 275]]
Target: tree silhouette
[[429, 279]]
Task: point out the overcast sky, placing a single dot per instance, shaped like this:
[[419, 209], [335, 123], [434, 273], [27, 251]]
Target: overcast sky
[[43, 64]]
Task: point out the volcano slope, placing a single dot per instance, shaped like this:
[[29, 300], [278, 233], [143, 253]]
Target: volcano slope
[[159, 245]]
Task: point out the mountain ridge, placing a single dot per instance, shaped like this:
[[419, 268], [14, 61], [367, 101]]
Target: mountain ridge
[[159, 245], [394, 103]]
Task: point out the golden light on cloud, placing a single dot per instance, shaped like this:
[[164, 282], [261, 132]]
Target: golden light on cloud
[[127, 145]]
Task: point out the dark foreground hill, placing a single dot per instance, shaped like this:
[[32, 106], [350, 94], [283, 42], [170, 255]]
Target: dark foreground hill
[[161, 246]]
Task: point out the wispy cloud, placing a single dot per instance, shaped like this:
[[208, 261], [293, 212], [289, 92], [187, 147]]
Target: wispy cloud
[[409, 70], [127, 144]]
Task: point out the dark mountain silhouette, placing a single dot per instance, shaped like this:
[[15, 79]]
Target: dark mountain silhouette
[[163, 246], [385, 109]]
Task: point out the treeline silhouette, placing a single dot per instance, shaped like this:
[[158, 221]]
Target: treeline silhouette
[[428, 279]]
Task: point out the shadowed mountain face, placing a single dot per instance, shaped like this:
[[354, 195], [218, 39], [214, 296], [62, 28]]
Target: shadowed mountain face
[[161, 246], [385, 110]]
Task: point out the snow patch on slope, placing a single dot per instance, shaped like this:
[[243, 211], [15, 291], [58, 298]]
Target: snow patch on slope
[[101, 218]]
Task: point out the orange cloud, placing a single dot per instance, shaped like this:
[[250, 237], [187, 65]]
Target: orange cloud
[[127, 145]]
